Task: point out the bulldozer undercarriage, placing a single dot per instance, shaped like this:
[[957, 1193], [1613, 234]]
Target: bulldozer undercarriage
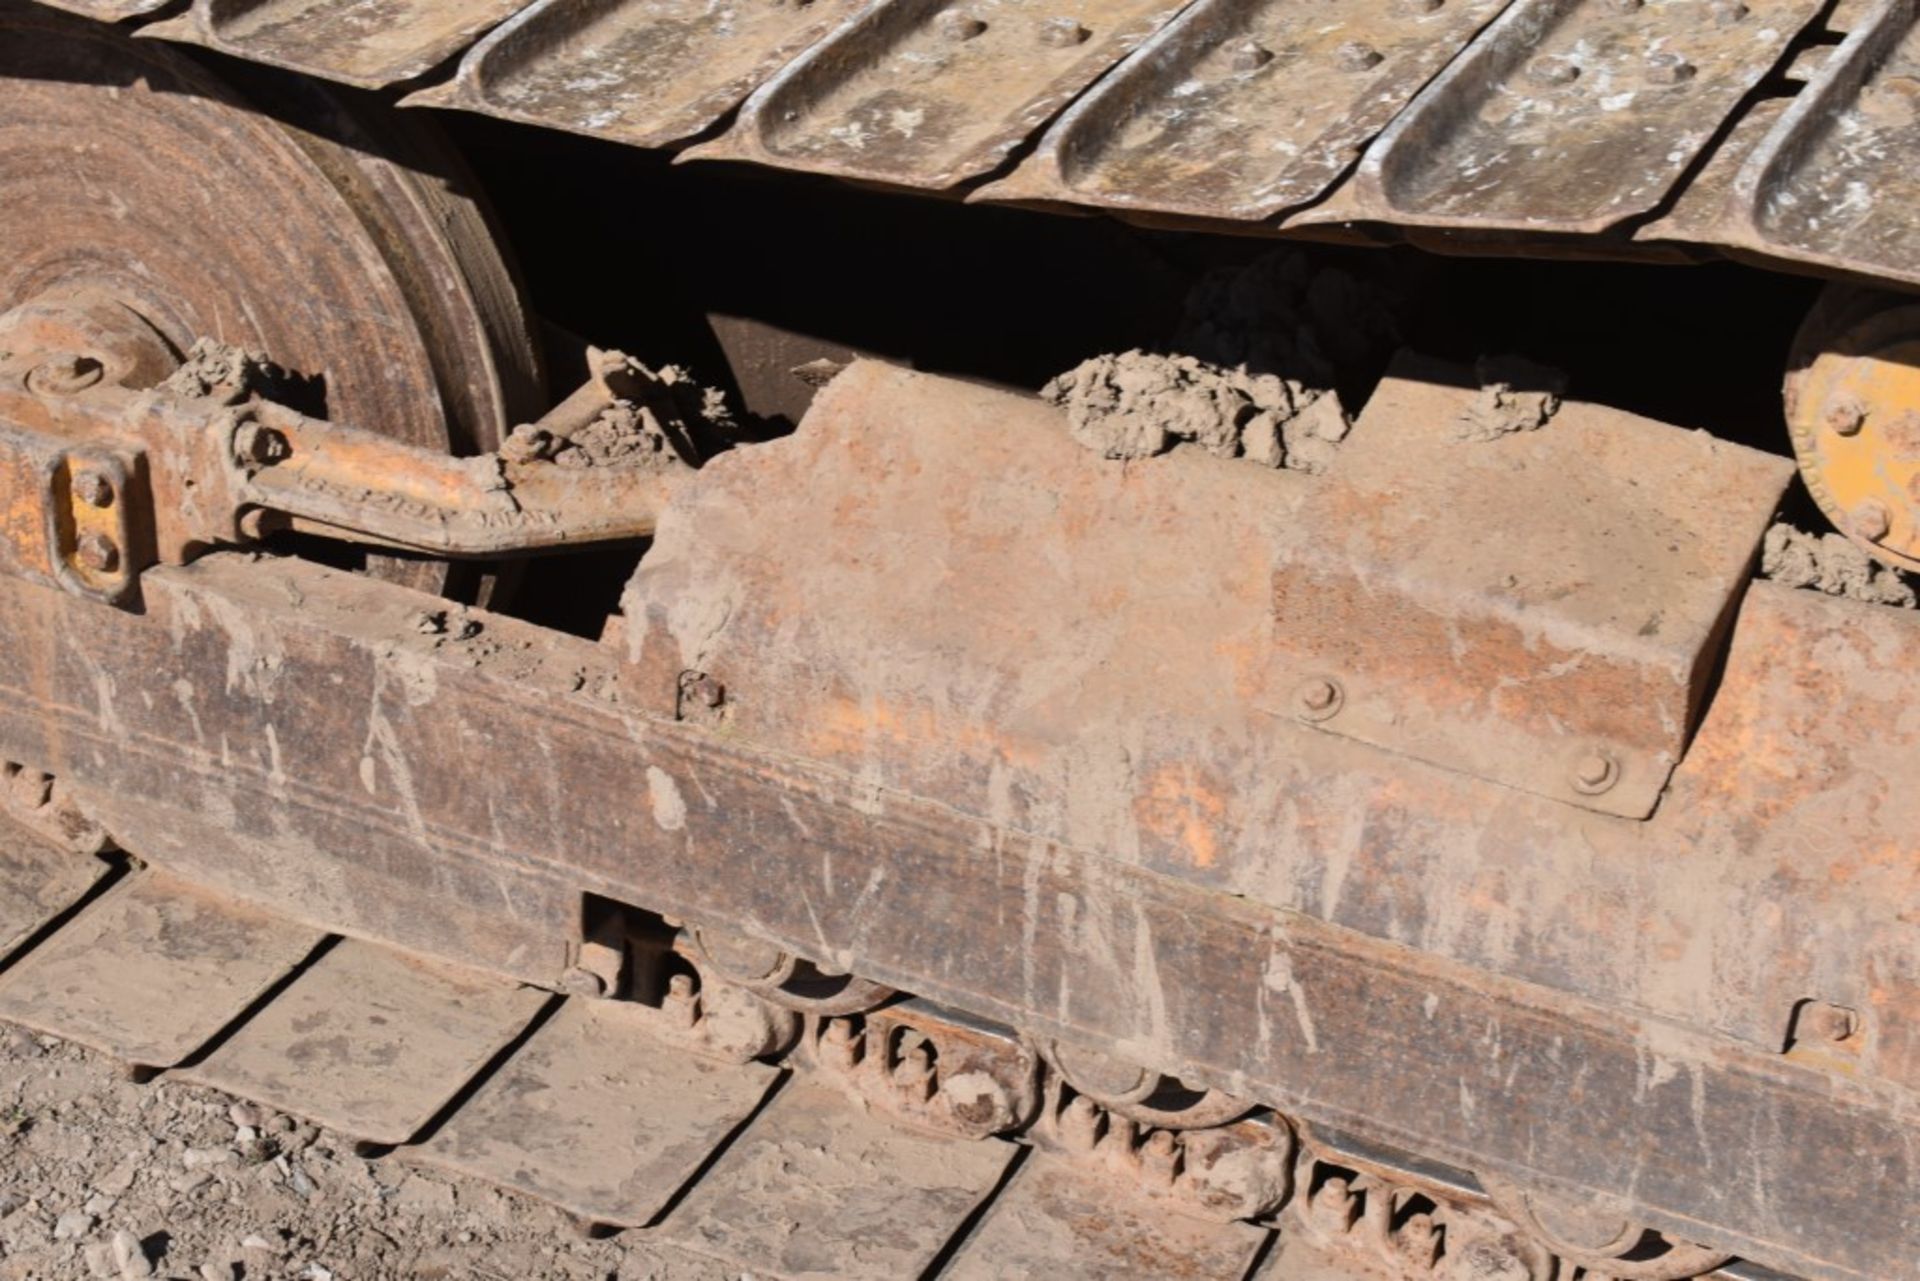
[[1431, 854]]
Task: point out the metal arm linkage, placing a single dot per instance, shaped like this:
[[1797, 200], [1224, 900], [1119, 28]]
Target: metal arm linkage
[[115, 455]]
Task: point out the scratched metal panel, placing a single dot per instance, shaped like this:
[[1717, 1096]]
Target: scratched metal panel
[[1572, 115], [929, 93], [1837, 182], [369, 43], [642, 72], [1244, 108]]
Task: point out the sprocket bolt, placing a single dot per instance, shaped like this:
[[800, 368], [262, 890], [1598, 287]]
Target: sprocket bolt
[[96, 552], [93, 489]]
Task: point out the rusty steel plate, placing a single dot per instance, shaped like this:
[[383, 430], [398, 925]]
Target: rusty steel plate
[[1573, 115], [1524, 608], [643, 72], [38, 881], [1067, 1223], [153, 970], [930, 93], [370, 1041], [817, 1188], [599, 1116], [366, 43], [1245, 108], [1835, 183]]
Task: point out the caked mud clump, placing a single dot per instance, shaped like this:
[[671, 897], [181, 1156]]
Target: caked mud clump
[[1831, 564], [1515, 395], [659, 419], [1137, 404]]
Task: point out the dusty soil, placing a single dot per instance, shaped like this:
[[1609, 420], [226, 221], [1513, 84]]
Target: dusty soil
[[101, 1177], [1827, 562]]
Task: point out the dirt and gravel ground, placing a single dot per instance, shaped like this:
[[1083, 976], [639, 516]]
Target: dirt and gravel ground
[[102, 1177]]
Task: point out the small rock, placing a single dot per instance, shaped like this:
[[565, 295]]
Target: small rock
[[99, 1259], [254, 1241], [245, 1134], [244, 1116], [193, 1158], [217, 1272], [191, 1181], [119, 1179], [72, 1225], [131, 1256]]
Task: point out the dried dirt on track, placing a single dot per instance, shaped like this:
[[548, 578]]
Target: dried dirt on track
[[102, 1177]]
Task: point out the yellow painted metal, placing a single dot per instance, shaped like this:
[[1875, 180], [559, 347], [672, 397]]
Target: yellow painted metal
[[1853, 410]]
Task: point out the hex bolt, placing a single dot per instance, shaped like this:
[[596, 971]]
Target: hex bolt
[[93, 489], [1356, 55], [1250, 55], [955, 25], [1824, 1021], [1551, 70], [96, 552], [65, 375], [1063, 33], [839, 1047], [1846, 418], [681, 1003], [1318, 698], [578, 981], [1669, 69], [1870, 520], [1594, 773], [30, 789], [253, 443]]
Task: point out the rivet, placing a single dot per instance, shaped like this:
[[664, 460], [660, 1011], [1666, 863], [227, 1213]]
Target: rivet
[[1870, 520], [1595, 773], [1062, 33], [955, 25], [1824, 1021], [1669, 69], [93, 489], [1356, 55], [1846, 418], [1250, 55], [1318, 698], [1550, 70], [97, 553]]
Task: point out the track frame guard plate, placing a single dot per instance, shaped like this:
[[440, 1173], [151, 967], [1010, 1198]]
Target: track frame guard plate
[[1436, 566]]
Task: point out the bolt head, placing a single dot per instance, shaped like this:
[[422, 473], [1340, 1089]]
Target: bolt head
[[1549, 70], [1063, 33], [253, 443], [1595, 773], [1318, 697], [97, 552], [1669, 69], [1357, 55], [1821, 1021], [955, 25], [1846, 418], [1250, 55], [93, 489], [1870, 520]]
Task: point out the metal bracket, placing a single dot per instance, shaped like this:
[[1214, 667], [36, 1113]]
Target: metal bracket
[[1539, 609]]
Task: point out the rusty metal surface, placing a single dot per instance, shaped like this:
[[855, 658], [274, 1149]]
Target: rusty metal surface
[[1060, 1221], [930, 93], [1834, 183], [1565, 653], [1243, 109], [152, 970], [934, 1069], [38, 881], [816, 1188], [366, 43], [1462, 950], [1573, 115], [643, 72], [370, 1041], [598, 1115]]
